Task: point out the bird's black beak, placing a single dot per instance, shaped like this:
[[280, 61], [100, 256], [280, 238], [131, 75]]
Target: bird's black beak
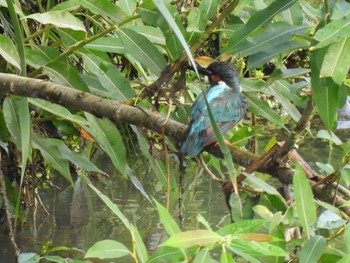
[[200, 69]]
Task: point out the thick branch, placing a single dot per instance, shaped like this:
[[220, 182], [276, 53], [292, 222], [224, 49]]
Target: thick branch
[[118, 112]]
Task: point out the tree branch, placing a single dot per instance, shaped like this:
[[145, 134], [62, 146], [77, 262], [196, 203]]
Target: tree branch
[[118, 112]]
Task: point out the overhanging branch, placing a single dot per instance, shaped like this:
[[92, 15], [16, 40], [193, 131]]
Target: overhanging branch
[[118, 112]]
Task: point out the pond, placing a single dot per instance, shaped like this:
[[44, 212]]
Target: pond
[[78, 218]]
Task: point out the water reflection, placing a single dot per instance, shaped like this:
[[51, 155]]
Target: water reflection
[[78, 218]]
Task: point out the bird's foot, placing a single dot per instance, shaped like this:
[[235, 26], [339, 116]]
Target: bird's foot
[[216, 144]]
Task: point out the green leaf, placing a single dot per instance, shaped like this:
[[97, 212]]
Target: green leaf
[[258, 59], [104, 8], [336, 62], [166, 254], [107, 249], [325, 90], [110, 77], [26, 133], [325, 95], [209, 7], [136, 182], [274, 35], [142, 49], [38, 56], [333, 32], [192, 238], [203, 256], [285, 102], [153, 34], [341, 9], [52, 155], [107, 44], [255, 249], [259, 183], [242, 227], [283, 73], [66, 75], [108, 136], [256, 21], [168, 17], [9, 52], [128, 6], [56, 259], [197, 20], [57, 147], [58, 110], [62, 19], [10, 108], [226, 258], [261, 108], [313, 249], [330, 220], [329, 136], [304, 201], [347, 238], [167, 220]]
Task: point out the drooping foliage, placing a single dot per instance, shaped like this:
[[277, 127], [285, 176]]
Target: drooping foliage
[[292, 55]]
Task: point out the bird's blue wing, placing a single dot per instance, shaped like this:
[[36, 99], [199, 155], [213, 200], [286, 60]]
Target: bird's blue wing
[[228, 107]]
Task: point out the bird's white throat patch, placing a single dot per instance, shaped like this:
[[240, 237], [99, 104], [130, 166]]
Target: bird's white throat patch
[[223, 84]]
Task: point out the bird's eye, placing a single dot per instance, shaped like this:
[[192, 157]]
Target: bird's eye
[[215, 78]]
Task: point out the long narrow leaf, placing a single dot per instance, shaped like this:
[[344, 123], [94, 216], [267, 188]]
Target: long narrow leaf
[[26, 132], [336, 62], [167, 220], [142, 49], [108, 136], [257, 21], [304, 201], [165, 12], [313, 249], [8, 51], [261, 108], [18, 36], [139, 245]]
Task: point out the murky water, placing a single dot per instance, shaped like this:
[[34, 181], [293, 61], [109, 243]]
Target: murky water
[[78, 218]]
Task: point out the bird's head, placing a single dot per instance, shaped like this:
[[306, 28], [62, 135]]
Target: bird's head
[[223, 71]]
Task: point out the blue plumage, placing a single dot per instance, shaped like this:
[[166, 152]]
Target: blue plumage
[[227, 104]]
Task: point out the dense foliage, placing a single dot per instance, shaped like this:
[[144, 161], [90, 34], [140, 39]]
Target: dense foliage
[[291, 55]]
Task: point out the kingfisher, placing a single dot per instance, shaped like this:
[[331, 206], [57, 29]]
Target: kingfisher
[[226, 102]]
